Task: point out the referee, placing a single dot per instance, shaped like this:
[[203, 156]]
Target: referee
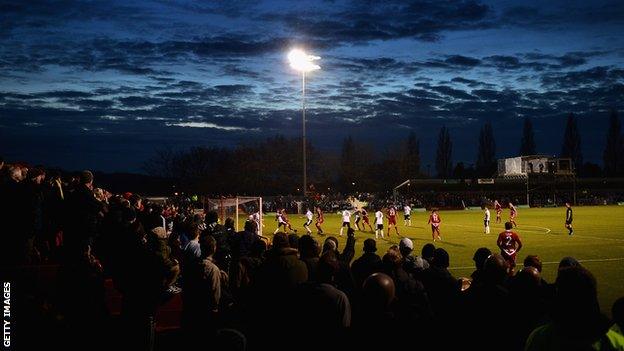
[[568, 220]]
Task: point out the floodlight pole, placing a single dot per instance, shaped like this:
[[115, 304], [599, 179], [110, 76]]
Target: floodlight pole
[[527, 191], [303, 119]]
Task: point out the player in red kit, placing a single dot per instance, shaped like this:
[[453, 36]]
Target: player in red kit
[[499, 210], [287, 221], [319, 220], [392, 215], [434, 220], [365, 220], [509, 244], [513, 212]]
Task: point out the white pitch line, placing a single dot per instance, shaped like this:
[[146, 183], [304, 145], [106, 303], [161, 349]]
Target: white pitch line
[[597, 237], [557, 262], [535, 226], [545, 231]]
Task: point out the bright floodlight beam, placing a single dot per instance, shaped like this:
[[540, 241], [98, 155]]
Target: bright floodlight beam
[[302, 62]]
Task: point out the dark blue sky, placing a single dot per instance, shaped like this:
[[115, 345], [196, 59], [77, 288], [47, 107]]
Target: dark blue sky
[[103, 85]]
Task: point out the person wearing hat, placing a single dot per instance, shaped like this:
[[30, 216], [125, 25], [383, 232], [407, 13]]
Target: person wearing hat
[[413, 265], [366, 264]]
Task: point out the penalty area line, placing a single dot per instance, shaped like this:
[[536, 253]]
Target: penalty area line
[[614, 259]]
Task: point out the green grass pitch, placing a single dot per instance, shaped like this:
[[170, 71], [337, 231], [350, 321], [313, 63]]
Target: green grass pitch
[[598, 240]]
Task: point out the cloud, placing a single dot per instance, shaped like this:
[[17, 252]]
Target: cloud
[[371, 20], [133, 74], [597, 76], [471, 82], [454, 93], [459, 60], [563, 13], [206, 125]]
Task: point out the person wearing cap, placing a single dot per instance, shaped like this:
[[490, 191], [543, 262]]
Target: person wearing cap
[[366, 264], [413, 265]]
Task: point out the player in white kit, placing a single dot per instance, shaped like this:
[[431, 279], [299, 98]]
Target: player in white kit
[[346, 220], [486, 220], [309, 216], [379, 224], [407, 215]]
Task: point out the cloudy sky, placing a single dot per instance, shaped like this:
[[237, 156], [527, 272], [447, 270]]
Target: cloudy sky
[[103, 84]]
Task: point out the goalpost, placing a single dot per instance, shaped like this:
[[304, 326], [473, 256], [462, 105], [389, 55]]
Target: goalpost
[[237, 208]]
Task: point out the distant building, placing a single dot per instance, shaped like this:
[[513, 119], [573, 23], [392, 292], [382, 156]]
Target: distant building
[[523, 166]]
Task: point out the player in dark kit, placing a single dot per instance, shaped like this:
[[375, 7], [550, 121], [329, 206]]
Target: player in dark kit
[[509, 244], [568, 220]]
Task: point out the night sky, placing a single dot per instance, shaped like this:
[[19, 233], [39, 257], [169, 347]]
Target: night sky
[[103, 85]]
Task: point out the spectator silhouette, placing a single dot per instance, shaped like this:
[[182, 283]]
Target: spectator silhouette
[[82, 301], [442, 288], [83, 212], [479, 258], [547, 289], [618, 316], [309, 253], [366, 264], [201, 293], [531, 306], [220, 234], [577, 323], [413, 265], [427, 252], [485, 300], [321, 303], [375, 316], [411, 306]]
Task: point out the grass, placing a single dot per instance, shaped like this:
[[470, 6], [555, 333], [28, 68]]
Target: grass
[[598, 240]]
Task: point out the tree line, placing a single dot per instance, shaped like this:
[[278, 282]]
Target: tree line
[[274, 164]]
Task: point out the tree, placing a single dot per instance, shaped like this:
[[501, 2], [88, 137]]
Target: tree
[[444, 163], [161, 164], [411, 157], [571, 147], [591, 170], [527, 143], [486, 158], [613, 153]]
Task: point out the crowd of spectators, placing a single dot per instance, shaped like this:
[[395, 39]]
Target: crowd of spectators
[[240, 292]]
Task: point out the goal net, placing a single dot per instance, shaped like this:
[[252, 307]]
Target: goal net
[[240, 209]]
